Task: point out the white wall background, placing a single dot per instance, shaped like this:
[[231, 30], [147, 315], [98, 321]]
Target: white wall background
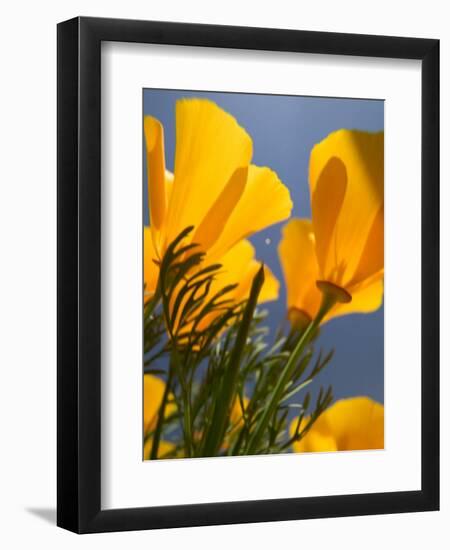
[[28, 270]]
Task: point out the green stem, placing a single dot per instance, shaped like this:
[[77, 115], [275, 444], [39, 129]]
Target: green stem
[[189, 443], [234, 451], [153, 301], [185, 395], [161, 414], [179, 369], [328, 301], [217, 427]]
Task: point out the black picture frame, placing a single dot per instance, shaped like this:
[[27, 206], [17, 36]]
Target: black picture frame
[[79, 280]]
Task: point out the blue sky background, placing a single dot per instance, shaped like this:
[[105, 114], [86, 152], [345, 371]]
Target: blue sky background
[[284, 129]]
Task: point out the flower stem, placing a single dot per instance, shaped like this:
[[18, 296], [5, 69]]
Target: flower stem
[[188, 423], [151, 304], [181, 368], [220, 416], [161, 414], [328, 301]]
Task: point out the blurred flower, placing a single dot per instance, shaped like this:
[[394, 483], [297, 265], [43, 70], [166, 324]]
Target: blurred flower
[[214, 187], [350, 424], [346, 179], [153, 394]]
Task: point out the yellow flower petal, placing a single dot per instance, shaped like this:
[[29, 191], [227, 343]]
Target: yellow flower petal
[[153, 394], [213, 223], [298, 261], [372, 257], [366, 298], [240, 267], [236, 419], [164, 448], [326, 204], [210, 146], [315, 442], [151, 270], [156, 169], [236, 411], [348, 167], [350, 424], [301, 272], [214, 190], [264, 202], [271, 286]]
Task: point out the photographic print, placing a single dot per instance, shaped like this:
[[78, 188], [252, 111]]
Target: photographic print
[[263, 268], [221, 288]]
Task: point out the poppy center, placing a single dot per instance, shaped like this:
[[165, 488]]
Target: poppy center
[[337, 292]]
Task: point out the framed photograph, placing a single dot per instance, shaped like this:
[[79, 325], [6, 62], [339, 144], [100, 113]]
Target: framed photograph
[[248, 275]]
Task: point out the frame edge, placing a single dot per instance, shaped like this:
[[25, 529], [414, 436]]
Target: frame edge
[[67, 276], [430, 276]]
